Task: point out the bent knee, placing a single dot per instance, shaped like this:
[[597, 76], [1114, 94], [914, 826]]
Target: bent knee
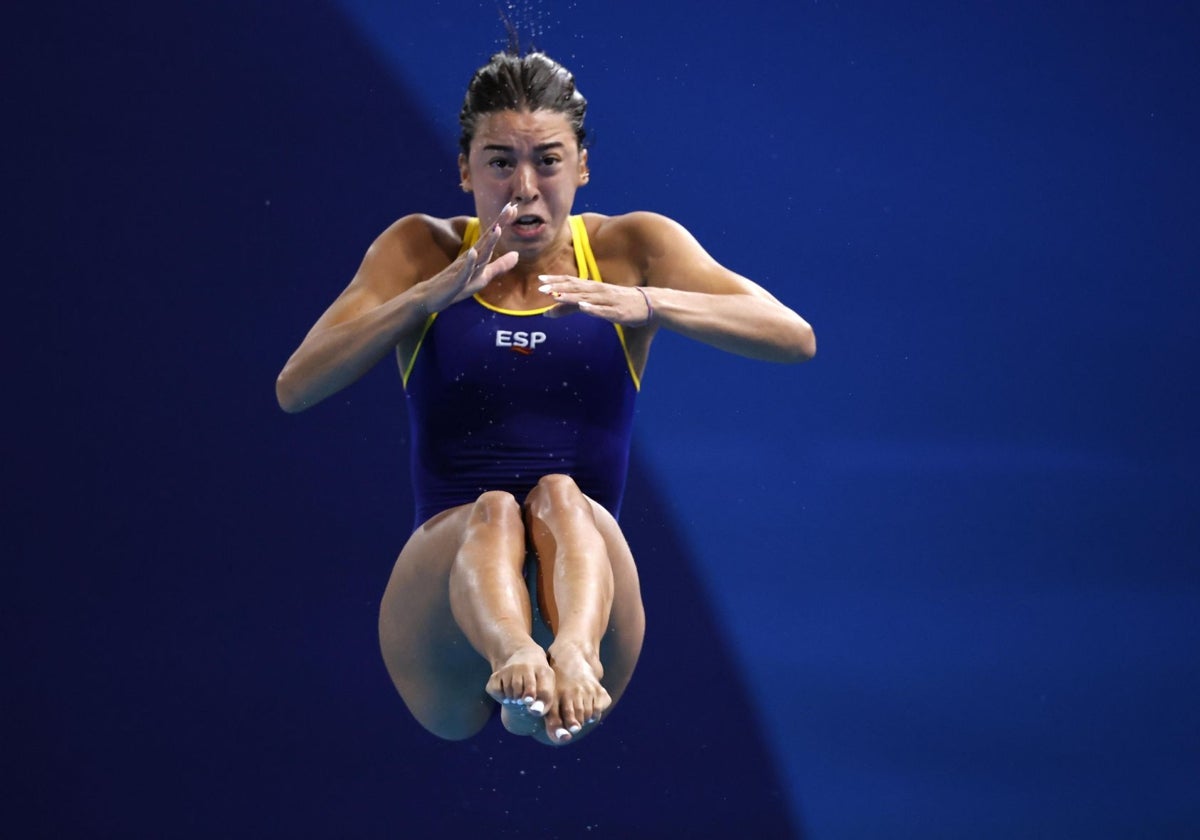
[[494, 532], [495, 508], [557, 491], [558, 483]]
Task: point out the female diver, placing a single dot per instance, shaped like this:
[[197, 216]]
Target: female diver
[[521, 345]]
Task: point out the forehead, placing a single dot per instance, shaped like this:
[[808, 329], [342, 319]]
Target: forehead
[[523, 129]]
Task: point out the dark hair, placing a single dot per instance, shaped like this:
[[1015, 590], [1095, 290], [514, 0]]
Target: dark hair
[[511, 82]]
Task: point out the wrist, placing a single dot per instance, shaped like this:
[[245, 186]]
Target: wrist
[[422, 302], [649, 309]]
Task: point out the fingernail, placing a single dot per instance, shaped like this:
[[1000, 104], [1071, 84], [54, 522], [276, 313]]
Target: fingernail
[[538, 707], [561, 733], [544, 289], [583, 304], [575, 729]]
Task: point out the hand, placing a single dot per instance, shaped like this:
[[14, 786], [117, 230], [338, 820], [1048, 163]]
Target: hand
[[626, 305], [473, 269]]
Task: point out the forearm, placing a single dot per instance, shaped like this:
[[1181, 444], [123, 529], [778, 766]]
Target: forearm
[[330, 358], [751, 325]]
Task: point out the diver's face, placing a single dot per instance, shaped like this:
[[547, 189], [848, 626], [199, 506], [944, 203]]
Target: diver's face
[[532, 159]]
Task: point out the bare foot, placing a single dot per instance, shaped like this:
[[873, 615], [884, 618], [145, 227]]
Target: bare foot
[[519, 720], [580, 698], [524, 685]]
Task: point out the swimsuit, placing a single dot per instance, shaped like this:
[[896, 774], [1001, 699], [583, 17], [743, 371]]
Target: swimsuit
[[498, 398]]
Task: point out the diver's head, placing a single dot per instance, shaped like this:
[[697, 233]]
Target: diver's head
[[532, 82], [522, 143]]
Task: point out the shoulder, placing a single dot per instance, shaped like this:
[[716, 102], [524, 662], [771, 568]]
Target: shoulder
[[632, 229], [650, 243], [638, 237], [419, 233], [411, 249]]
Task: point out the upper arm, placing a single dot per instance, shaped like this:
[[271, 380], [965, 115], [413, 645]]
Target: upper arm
[[400, 257], [669, 256]]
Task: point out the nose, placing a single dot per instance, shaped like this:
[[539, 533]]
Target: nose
[[524, 184]]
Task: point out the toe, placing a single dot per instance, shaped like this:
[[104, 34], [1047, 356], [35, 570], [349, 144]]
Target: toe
[[495, 689], [569, 717], [555, 729]]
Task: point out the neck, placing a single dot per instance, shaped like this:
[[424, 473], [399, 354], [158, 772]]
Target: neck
[[518, 289], [558, 257]]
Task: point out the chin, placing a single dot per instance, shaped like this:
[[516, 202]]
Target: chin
[[533, 240]]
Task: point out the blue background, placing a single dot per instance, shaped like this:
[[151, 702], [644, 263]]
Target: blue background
[[940, 582]]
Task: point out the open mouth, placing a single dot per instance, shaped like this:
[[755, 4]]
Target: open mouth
[[528, 225]]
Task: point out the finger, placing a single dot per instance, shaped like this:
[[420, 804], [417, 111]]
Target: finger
[[503, 219], [469, 260], [563, 288], [498, 266], [487, 244], [484, 274], [601, 311]]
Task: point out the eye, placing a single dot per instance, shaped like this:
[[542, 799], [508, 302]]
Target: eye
[[500, 163], [551, 160]]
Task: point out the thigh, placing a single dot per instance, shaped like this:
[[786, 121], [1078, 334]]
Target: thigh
[[439, 675]]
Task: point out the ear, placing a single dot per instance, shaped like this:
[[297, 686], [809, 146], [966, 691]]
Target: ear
[[464, 174], [585, 174]]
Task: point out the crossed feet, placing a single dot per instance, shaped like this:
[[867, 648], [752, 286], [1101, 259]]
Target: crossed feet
[[556, 690]]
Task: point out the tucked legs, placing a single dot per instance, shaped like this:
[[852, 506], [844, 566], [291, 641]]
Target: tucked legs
[[577, 588], [490, 602], [457, 627]]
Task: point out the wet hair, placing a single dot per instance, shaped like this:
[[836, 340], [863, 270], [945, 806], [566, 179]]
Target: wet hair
[[511, 82]]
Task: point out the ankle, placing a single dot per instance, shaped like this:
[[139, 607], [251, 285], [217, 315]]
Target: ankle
[[562, 648], [519, 650]]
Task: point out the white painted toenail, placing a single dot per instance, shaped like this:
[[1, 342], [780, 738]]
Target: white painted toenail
[[560, 733], [538, 707], [575, 729]]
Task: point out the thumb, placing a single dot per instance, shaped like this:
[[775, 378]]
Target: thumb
[[506, 262], [502, 263]]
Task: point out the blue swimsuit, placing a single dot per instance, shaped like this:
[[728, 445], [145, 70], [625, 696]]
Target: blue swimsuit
[[499, 398]]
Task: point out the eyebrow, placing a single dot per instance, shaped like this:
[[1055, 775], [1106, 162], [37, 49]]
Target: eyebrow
[[541, 147]]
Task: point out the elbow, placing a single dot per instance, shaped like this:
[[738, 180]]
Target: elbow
[[286, 396], [803, 344], [809, 348]]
